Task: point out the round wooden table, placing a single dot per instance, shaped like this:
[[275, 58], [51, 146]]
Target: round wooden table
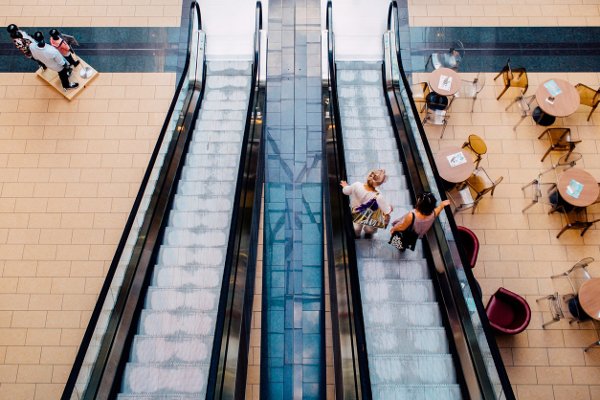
[[589, 191], [589, 297], [453, 79], [564, 104], [459, 172]]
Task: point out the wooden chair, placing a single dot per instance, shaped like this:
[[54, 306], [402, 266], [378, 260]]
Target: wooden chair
[[588, 97], [513, 77], [477, 146], [576, 218], [560, 139]]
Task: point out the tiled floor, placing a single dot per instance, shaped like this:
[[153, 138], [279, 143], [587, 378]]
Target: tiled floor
[[91, 13], [504, 13], [68, 174], [519, 250]]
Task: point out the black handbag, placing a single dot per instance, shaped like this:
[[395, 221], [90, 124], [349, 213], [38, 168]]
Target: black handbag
[[407, 239]]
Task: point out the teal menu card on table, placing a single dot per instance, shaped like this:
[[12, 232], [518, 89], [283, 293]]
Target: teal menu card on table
[[574, 188], [552, 88]]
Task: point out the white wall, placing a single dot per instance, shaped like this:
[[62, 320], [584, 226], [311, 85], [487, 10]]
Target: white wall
[[229, 27], [358, 26]]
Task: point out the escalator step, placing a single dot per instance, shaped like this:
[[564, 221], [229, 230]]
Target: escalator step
[[412, 369], [402, 315], [181, 299], [188, 379], [175, 256], [374, 293], [172, 349], [417, 392], [160, 323], [195, 237], [187, 277], [375, 269], [420, 340], [199, 220]]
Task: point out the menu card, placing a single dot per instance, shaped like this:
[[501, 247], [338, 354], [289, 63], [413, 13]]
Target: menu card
[[445, 83], [574, 188], [552, 88], [456, 159]]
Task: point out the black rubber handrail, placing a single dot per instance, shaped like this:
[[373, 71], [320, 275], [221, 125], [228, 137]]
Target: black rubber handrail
[[349, 345], [438, 244], [104, 291], [229, 361]]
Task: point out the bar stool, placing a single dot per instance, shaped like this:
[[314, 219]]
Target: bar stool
[[477, 146]]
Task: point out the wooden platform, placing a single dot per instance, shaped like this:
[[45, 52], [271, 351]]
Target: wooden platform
[[53, 80]]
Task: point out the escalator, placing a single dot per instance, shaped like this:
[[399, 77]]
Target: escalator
[[406, 325], [173, 317]]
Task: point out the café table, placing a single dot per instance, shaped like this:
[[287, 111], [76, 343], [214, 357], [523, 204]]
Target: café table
[[445, 81], [454, 165], [589, 297], [577, 187], [555, 98]]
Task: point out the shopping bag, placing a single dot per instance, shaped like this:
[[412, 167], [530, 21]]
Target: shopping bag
[[406, 239], [370, 214]]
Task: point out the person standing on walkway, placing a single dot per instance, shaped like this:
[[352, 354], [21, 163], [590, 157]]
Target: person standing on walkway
[[361, 193], [22, 41], [52, 58], [64, 48]]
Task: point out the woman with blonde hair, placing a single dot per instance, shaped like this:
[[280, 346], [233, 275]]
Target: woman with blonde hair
[[362, 193]]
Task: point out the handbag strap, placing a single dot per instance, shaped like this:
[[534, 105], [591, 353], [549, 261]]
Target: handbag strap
[[412, 222]]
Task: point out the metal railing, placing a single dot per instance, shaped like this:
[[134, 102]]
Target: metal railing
[[98, 362]]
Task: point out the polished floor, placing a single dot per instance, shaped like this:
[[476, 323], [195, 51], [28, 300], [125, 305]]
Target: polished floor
[[69, 172]]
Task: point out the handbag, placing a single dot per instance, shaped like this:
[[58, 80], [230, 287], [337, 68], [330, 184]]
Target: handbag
[[407, 239], [370, 214]]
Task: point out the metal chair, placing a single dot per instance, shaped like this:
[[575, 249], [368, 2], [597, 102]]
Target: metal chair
[[436, 117], [477, 186], [420, 91], [541, 192], [564, 307], [572, 274], [560, 139], [525, 107], [477, 147], [451, 59], [588, 97], [513, 77], [470, 89]]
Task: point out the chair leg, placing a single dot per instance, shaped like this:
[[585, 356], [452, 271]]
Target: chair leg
[[596, 343], [549, 323], [504, 91], [473, 104], [518, 123], [565, 228], [499, 73], [588, 225], [512, 102], [443, 129], [590, 114], [546, 153]]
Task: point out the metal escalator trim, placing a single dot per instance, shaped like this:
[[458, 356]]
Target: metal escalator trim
[[228, 367], [104, 374], [349, 344], [472, 366]]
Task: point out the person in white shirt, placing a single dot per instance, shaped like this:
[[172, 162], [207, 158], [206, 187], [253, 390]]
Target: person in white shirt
[[361, 193], [52, 59]]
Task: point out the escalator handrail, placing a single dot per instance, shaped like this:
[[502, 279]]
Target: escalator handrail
[[443, 244], [228, 369], [352, 381], [104, 291]]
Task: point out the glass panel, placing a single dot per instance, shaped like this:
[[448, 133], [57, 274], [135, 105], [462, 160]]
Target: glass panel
[[413, 129]]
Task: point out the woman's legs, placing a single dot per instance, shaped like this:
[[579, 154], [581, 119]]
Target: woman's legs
[[369, 231]]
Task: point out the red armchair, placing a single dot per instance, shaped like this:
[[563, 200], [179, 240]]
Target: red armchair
[[468, 241], [508, 312]]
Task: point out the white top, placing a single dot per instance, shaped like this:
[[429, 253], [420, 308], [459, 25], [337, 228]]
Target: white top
[[359, 195], [49, 56]]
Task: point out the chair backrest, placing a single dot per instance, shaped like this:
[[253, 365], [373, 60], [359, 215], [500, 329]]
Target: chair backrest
[[481, 182], [476, 144], [436, 117], [420, 91], [469, 242], [587, 95], [508, 312]]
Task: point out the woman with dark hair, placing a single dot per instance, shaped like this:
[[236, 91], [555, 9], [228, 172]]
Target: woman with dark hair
[[422, 217]]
